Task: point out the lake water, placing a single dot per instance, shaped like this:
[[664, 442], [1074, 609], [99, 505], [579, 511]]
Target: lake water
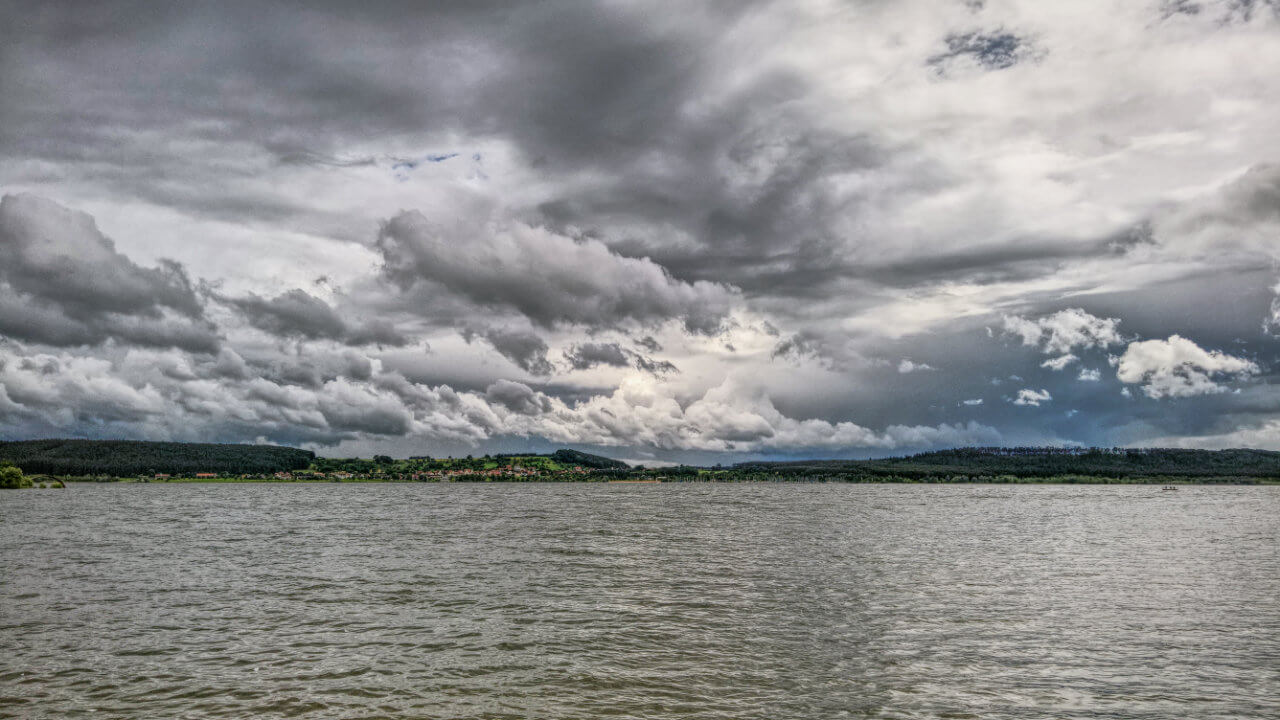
[[639, 601]]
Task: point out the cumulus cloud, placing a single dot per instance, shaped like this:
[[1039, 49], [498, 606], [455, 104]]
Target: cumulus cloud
[[550, 278], [293, 313], [354, 407], [1177, 367], [1089, 375], [1271, 325], [908, 366], [656, 367], [67, 388], [297, 313], [1065, 330], [518, 397], [588, 355], [522, 347], [584, 356], [798, 345], [153, 394], [63, 283], [1059, 363], [164, 395], [1027, 396], [727, 418]]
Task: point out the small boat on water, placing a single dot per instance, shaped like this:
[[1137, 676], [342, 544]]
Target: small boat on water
[[1167, 488]]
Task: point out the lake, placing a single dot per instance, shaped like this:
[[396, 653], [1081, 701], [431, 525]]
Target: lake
[[640, 601]]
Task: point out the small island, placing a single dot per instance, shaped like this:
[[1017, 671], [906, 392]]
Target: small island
[[49, 463]]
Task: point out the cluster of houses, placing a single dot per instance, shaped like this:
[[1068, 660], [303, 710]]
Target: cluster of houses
[[513, 471]]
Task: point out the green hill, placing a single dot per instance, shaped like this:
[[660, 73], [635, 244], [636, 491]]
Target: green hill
[[577, 457], [127, 458], [1039, 462]]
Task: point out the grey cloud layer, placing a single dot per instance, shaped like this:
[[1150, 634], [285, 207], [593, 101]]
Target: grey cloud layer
[[169, 395], [528, 217], [297, 313], [63, 283], [547, 277]]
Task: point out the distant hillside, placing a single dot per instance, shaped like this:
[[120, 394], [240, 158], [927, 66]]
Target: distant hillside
[[124, 458], [1041, 462], [576, 457]]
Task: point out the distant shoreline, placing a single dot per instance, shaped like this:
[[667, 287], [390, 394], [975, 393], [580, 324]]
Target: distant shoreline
[[1152, 482], [168, 462]]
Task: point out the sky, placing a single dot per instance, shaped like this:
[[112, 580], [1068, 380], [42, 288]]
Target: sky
[[694, 232]]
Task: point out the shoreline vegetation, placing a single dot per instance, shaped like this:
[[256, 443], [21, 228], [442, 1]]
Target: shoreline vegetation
[[51, 463]]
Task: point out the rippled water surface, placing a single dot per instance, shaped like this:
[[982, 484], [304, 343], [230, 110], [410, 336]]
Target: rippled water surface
[[639, 601]]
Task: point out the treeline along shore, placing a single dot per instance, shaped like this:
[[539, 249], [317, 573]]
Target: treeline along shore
[[137, 461]]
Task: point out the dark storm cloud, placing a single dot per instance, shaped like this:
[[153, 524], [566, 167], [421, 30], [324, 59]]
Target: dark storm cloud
[[588, 355], [314, 369], [299, 314], [655, 367], [1169, 8], [569, 84], [576, 89], [766, 222], [1252, 198], [525, 349], [293, 313], [1244, 10], [353, 408], [518, 397], [798, 345], [549, 278], [1017, 259], [54, 250], [62, 282]]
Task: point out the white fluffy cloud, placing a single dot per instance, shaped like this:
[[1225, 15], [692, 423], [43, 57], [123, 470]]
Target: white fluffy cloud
[[1059, 363], [1271, 325], [907, 365], [1059, 333], [1027, 396], [1177, 367], [728, 417]]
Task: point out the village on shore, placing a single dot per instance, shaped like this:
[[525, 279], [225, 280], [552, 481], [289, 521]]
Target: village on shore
[[503, 472]]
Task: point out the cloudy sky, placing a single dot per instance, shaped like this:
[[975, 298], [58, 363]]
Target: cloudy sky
[[669, 232]]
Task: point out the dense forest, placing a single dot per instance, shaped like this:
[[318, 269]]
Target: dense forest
[[985, 464], [577, 457], [122, 458]]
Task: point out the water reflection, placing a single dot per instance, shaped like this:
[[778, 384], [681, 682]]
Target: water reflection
[[579, 601]]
